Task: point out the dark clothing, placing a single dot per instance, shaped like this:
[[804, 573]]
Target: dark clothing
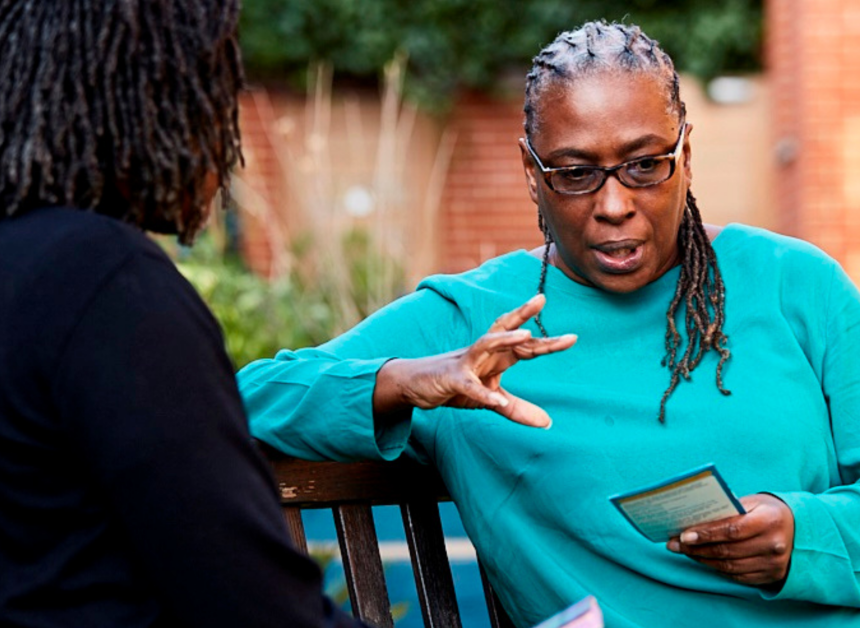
[[130, 491]]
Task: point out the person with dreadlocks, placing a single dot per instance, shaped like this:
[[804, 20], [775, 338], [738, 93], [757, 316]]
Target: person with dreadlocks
[[130, 492], [696, 344]]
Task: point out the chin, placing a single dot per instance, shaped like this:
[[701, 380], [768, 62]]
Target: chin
[[622, 283]]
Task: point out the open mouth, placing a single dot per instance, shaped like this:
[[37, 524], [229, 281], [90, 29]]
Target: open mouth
[[619, 257]]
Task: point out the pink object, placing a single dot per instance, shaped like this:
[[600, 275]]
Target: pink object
[[584, 614]]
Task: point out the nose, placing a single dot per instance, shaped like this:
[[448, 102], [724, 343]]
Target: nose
[[613, 202]]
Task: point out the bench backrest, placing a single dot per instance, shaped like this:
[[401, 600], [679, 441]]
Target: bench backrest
[[350, 490]]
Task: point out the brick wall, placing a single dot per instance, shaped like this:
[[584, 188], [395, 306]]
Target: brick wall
[[813, 58], [264, 176], [486, 209]]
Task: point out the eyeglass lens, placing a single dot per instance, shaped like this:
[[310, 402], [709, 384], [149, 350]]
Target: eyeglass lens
[[638, 173]]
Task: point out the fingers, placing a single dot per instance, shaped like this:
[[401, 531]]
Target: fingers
[[476, 381], [739, 566], [474, 394], [731, 529], [543, 346], [493, 342], [524, 412], [521, 342], [766, 515], [494, 352], [512, 321], [750, 571], [751, 562], [515, 318], [759, 546], [754, 548]]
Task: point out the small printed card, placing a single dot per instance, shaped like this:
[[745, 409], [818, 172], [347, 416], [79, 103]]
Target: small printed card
[[584, 614], [666, 509]]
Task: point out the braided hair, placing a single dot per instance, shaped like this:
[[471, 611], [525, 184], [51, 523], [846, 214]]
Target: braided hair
[[603, 47], [122, 107]]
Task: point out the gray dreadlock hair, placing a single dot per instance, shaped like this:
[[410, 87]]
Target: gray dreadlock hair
[[603, 47], [122, 107]]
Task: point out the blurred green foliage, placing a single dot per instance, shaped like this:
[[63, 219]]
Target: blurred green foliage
[[301, 308], [453, 43], [258, 317]]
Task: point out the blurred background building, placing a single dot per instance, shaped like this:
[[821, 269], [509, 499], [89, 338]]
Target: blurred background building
[[813, 121]]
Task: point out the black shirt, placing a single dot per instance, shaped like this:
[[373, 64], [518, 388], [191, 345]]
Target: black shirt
[[130, 491]]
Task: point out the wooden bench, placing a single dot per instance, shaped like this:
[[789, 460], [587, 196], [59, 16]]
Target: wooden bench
[[350, 490]]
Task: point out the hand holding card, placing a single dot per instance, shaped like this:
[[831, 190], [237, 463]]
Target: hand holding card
[[664, 510]]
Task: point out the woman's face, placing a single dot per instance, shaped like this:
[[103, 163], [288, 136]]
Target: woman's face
[[617, 238]]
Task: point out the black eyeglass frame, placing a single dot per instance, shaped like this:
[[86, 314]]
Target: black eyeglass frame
[[611, 170]]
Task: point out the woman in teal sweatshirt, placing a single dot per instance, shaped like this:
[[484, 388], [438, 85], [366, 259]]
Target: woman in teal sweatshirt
[[695, 344]]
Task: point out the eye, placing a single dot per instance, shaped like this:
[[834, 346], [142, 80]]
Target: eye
[[575, 174], [646, 165]]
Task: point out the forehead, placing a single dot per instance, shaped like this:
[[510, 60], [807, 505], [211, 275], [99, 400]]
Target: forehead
[[599, 111]]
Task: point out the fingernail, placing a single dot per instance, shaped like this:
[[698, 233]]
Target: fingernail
[[673, 546], [535, 299], [499, 400], [525, 333], [548, 425], [689, 537]]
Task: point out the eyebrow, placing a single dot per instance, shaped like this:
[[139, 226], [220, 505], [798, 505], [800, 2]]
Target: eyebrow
[[625, 149]]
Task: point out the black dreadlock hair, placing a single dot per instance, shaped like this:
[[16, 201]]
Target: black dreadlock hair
[[122, 107], [604, 47]]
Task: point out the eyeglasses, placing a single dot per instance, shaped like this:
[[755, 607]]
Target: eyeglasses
[[642, 172]]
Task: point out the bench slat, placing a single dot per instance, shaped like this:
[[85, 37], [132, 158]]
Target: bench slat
[[296, 528], [430, 563], [319, 484], [362, 565]]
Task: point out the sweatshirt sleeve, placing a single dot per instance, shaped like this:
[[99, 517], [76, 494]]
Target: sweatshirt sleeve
[[148, 397], [317, 403], [825, 562]]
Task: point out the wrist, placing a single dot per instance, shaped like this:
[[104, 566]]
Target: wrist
[[389, 397]]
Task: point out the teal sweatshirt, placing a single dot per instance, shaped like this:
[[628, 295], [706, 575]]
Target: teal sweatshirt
[[535, 502]]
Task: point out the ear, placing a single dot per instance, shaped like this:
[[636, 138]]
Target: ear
[[530, 169], [688, 154]]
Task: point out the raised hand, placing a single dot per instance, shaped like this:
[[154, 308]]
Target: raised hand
[[754, 548], [471, 377]]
